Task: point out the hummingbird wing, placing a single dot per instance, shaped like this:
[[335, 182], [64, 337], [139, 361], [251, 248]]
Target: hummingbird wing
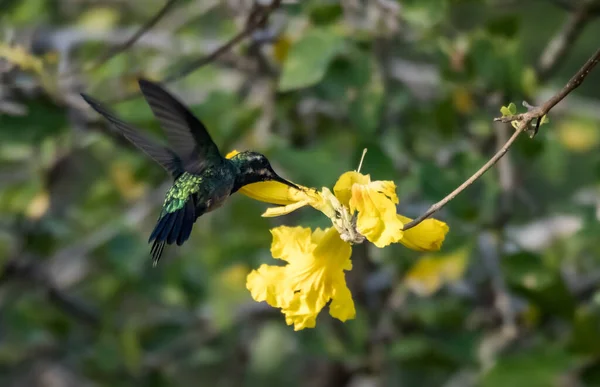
[[161, 154], [186, 134]]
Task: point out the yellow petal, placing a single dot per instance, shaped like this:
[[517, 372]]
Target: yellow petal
[[290, 242], [313, 276], [331, 250], [387, 188], [426, 236], [342, 306], [283, 210], [231, 154], [261, 283], [270, 192], [281, 194], [430, 273], [343, 187], [377, 219]]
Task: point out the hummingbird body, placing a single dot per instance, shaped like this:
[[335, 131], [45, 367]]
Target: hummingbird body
[[203, 179]]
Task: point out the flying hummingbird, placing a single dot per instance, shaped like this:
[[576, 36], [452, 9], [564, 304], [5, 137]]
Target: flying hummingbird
[[203, 178]]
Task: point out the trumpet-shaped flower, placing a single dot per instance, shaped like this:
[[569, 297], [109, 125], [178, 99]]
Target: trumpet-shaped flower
[[359, 209], [313, 276]]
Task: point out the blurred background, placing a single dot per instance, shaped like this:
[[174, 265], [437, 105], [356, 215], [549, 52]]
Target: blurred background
[[511, 299]]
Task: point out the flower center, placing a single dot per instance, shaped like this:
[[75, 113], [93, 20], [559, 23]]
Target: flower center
[[345, 224], [343, 221]]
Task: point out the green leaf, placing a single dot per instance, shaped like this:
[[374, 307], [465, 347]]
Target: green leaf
[[355, 82], [504, 25], [586, 331], [541, 367], [323, 13], [43, 120], [424, 14], [509, 110], [308, 59], [529, 276]]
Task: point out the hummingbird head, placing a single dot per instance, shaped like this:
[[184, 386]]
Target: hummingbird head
[[254, 167]]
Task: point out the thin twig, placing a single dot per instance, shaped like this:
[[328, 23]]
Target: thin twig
[[557, 49], [523, 123], [196, 64], [115, 50], [437, 206], [252, 24], [540, 111]]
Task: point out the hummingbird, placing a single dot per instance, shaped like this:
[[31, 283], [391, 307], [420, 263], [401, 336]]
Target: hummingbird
[[202, 178]]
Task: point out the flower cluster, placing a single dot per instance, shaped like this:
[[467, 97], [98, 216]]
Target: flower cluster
[[359, 209]]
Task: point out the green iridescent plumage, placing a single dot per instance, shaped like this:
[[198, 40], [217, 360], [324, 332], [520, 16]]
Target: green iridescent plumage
[[203, 179], [185, 185]]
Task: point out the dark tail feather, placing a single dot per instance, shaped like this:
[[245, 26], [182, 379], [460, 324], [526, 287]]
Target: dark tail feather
[[172, 227], [169, 222], [160, 223], [189, 217], [156, 251], [172, 237]]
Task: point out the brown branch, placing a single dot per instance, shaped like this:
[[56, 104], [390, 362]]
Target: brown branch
[[534, 113], [254, 22], [540, 111], [559, 46], [115, 50], [437, 206]]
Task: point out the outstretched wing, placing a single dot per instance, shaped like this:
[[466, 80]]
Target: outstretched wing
[[161, 154], [186, 134]]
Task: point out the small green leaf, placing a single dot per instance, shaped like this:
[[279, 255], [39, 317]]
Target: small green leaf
[[509, 110], [515, 124], [545, 120], [308, 59]]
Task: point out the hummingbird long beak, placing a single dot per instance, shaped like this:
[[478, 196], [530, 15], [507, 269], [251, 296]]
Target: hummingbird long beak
[[284, 181]]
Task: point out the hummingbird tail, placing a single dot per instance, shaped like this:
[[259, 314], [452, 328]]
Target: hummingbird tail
[[172, 227]]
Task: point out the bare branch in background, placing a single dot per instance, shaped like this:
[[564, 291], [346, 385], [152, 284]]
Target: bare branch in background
[[559, 46], [113, 51], [540, 111], [534, 113], [254, 22]]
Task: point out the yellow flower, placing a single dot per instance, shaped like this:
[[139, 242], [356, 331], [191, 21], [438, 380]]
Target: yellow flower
[[429, 273], [358, 208], [313, 276]]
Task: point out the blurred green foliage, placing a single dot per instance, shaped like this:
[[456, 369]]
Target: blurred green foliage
[[416, 82]]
